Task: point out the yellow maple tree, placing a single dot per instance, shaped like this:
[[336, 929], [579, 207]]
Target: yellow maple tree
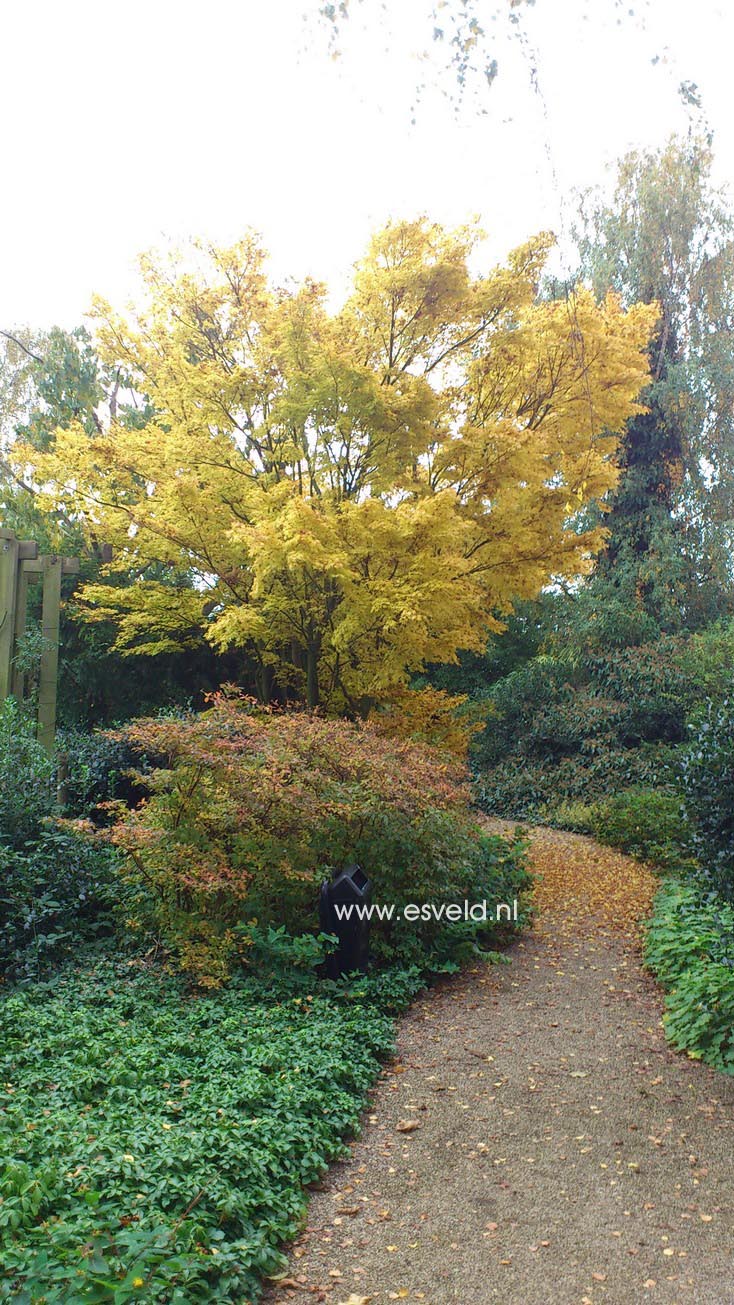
[[351, 492]]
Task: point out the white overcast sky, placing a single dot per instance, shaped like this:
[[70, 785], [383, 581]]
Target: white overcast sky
[[125, 125]]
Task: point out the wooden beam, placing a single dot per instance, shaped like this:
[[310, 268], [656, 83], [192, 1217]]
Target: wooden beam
[[50, 620], [8, 589], [35, 566], [27, 548]]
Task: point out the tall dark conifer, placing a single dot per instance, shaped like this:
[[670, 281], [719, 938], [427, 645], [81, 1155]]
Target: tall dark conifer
[[666, 237]]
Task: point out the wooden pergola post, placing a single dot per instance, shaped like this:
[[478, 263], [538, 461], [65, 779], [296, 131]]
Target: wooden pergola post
[[19, 565], [9, 549], [17, 687], [50, 622]]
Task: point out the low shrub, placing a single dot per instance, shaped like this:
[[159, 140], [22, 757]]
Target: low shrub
[[569, 814], [27, 793], [650, 824], [249, 810], [690, 949], [523, 788], [57, 892], [155, 1147]]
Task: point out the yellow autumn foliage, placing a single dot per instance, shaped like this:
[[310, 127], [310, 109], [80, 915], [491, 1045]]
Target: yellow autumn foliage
[[356, 491]]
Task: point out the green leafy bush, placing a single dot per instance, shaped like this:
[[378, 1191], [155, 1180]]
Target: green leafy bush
[[524, 788], [155, 1148], [708, 787], [249, 810], [648, 823], [26, 778], [708, 658], [98, 769], [594, 721], [570, 814], [690, 949], [58, 895], [57, 891], [527, 714], [655, 684]]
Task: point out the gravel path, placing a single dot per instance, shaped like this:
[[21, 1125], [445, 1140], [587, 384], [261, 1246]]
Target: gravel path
[[535, 1141]]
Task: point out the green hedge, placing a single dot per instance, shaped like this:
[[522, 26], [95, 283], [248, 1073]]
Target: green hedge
[[649, 824]]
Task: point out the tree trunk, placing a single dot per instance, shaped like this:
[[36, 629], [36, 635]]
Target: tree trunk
[[264, 681], [312, 678]]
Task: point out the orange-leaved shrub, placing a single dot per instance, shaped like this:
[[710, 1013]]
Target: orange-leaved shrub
[[427, 715], [249, 809]]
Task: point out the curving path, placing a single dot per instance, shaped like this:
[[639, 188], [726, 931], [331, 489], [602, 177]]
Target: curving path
[[536, 1141]]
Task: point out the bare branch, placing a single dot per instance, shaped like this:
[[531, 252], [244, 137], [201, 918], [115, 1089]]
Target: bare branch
[[36, 357]]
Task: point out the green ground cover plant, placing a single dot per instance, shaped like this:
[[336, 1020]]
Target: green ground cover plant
[[155, 1146]]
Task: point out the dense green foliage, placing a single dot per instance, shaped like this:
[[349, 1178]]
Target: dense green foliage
[[708, 787], [584, 722], [557, 731], [649, 824], [57, 891], [155, 1147], [690, 948]]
